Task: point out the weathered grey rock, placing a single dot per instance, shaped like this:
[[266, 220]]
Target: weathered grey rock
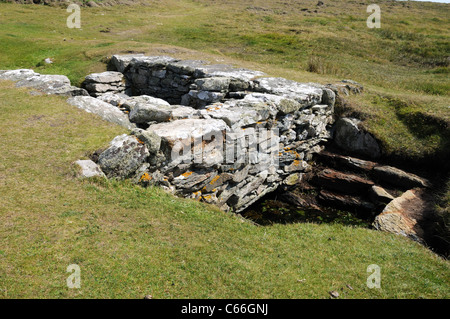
[[17, 75], [275, 103], [297, 165], [192, 140], [185, 67], [220, 70], [191, 181], [151, 140], [236, 116], [187, 128], [328, 97], [350, 137], [293, 179], [151, 61], [105, 110], [49, 84], [146, 112], [203, 98], [348, 87], [123, 157], [217, 181], [399, 177], [121, 62], [132, 101], [87, 169], [105, 77], [303, 93], [180, 112], [217, 84], [116, 99]]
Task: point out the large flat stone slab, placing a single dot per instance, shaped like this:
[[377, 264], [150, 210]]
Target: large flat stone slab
[[103, 109]]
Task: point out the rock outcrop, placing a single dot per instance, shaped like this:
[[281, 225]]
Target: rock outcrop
[[43, 83], [359, 185], [404, 215], [88, 169], [215, 133], [103, 109], [350, 137]]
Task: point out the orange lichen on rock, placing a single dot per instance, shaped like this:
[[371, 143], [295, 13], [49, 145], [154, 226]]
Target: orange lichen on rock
[[214, 180], [139, 141], [145, 178], [187, 174]]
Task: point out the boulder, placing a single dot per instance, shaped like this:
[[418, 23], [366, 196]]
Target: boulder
[[185, 67], [404, 215], [351, 138], [187, 129], [151, 140], [105, 110], [124, 156], [202, 98], [146, 112], [87, 169], [234, 115]]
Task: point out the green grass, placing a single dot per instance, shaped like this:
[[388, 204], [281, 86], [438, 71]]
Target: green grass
[[131, 241]]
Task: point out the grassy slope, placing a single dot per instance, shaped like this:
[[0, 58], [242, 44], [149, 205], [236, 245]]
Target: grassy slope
[[131, 241]]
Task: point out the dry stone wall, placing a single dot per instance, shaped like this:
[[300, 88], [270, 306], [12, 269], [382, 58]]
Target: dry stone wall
[[215, 133]]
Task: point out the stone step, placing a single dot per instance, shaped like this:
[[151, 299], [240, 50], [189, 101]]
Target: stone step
[[399, 178], [348, 162], [342, 182]]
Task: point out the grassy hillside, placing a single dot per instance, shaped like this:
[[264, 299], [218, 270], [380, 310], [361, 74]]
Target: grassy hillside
[[131, 241]]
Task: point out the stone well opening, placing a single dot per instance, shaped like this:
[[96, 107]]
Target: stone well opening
[[215, 133]]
